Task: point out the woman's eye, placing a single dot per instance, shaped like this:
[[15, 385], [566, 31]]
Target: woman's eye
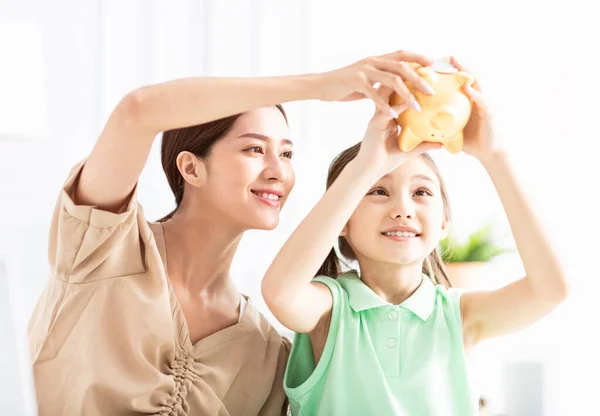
[[255, 149], [289, 154]]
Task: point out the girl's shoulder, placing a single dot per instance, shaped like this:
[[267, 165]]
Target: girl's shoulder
[[449, 299]]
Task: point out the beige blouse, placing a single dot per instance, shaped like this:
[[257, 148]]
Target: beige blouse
[[108, 336]]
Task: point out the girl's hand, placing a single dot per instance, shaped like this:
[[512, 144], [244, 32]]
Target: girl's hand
[[356, 81], [379, 151], [479, 139]]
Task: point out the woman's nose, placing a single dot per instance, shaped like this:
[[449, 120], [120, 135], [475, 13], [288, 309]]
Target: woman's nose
[[275, 169]]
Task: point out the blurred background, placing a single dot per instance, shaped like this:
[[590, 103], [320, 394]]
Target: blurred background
[[65, 64]]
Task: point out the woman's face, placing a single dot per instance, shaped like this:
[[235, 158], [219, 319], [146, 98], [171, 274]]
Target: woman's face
[[250, 174]]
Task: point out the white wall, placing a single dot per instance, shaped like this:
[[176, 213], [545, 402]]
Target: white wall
[[536, 61]]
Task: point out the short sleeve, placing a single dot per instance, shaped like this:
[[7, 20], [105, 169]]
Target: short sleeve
[[302, 374], [454, 296], [88, 244]]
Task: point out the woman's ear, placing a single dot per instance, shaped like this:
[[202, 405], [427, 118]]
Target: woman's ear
[[192, 169], [344, 232]]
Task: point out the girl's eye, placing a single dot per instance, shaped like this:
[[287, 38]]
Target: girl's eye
[[289, 154], [378, 191], [423, 192]]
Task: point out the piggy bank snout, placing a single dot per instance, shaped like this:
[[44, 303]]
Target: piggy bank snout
[[443, 119]]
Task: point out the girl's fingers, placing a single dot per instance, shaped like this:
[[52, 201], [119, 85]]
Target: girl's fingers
[[480, 107], [461, 67], [425, 147], [385, 92], [383, 121], [400, 108], [474, 94]]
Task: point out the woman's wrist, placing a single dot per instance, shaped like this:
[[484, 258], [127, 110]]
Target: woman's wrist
[[302, 87]]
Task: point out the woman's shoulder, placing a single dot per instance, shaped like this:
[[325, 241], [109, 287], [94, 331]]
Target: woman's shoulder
[[260, 327]]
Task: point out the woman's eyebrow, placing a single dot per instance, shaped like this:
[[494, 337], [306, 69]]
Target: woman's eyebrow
[[265, 138]]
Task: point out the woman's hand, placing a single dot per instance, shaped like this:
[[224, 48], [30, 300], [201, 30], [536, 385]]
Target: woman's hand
[[357, 81], [379, 151], [479, 139]]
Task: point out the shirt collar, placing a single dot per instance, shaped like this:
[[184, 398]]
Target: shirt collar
[[361, 297]]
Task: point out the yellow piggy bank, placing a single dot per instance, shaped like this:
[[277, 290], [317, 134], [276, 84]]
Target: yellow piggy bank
[[443, 115]]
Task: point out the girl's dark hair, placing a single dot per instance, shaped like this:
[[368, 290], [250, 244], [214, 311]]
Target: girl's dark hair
[[198, 140], [433, 266]]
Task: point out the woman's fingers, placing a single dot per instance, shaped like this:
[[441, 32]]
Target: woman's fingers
[[394, 82], [390, 71], [404, 71], [382, 104], [407, 56]]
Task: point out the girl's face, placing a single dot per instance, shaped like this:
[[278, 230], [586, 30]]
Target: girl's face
[[401, 219], [250, 174]]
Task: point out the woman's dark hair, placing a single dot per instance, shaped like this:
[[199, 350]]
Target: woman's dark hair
[[198, 140], [433, 266]]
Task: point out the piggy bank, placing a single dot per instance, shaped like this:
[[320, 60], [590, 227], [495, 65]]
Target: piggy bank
[[443, 115]]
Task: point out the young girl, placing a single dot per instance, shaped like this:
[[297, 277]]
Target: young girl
[[391, 339]]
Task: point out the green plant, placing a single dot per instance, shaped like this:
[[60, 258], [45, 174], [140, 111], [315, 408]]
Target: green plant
[[479, 247]]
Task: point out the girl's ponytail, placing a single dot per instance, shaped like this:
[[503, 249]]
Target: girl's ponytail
[[331, 266], [433, 266]]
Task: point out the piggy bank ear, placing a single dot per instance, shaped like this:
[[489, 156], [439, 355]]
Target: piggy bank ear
[[464, 78], [428, 75]]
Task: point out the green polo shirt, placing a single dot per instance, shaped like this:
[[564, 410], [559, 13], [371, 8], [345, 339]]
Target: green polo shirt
[[384, 359]]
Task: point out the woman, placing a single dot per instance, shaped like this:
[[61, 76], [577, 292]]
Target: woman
[[143, 317]]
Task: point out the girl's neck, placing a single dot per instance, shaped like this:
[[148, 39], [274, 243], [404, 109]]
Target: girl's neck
[[200, 249], [393, 283]]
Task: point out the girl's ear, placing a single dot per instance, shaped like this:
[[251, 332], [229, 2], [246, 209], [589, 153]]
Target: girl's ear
[[445, 227]]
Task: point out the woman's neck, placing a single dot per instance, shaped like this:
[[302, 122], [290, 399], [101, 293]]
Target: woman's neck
[[394, 283], [200, 249]]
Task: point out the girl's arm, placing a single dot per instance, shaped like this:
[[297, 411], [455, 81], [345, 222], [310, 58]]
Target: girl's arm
[[517, 305], [287, 287], [117, 160]]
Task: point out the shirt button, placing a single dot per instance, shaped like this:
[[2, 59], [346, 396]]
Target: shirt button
[[391, 342], [393, 315]]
